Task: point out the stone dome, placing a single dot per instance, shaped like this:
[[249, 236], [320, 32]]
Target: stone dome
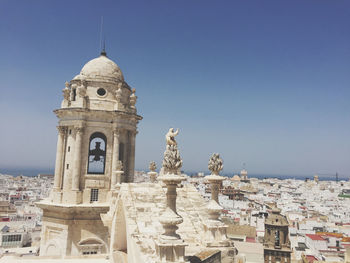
[[236, 178], [101, 68]]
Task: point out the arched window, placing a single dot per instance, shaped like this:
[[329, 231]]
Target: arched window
[[277, 238], [97, 153]]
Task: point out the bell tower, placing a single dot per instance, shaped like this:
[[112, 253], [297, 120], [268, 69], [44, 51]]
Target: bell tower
[[97, 127], [276, 240]]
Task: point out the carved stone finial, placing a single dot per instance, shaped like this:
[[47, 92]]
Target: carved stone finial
[[133, 99], [215, 164], [170, 136], [66, 93], [152, 166], [172, 161], [66, 84], [118, 94], [119, 165]]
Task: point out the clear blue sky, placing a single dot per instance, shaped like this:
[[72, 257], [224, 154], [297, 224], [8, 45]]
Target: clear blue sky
[[264, 83]]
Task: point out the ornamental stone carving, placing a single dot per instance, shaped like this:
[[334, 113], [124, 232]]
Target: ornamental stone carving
[[78, 130], [169, 219], [66, 93], [170, 136], [172, 161], [119, 93], [133, 99], [119, 166], [152, 166], [62, 130], [215, 164]]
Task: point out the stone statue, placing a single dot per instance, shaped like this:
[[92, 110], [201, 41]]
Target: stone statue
[[119, 166], [152, 166], [119, 93], [81, 90], [172, 161], [170, 137], [66, 93], [133, 98], [215, 164]]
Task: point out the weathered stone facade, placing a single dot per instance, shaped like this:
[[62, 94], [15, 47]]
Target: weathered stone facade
[[97, 129], [277, 247]]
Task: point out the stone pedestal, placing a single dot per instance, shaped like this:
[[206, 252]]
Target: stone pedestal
[[170, 247], [152, 176], [171, 252], [215, 229]]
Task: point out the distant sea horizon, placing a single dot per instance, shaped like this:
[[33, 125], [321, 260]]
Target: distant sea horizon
[[35, 171]]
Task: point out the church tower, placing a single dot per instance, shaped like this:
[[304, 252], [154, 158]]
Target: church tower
[[97, 128], [276, 240]]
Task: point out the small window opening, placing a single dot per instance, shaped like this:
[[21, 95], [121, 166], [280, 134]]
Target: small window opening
[[67, 166], [94, 195], [74, 94], [277, 238], [68, 148], [70, 131], [101, 92], [121, 152], [89, 252], [97, 153]]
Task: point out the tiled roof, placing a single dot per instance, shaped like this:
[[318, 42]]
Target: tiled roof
[[315, 237]]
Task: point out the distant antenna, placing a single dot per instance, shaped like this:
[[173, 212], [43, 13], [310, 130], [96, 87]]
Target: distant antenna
[[102, 46]]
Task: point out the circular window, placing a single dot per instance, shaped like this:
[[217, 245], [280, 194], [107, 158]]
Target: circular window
[[101, 92]]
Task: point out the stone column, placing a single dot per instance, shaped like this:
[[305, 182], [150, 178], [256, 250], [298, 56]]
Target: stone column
[[215, 229], [77, 158], [62, 130], [215, 186], [170, 247], [115, 156], [132, 156]]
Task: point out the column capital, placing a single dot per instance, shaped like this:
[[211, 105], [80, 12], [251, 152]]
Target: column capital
[[133, 132], [117, 131], [78, 130], [62, 129]]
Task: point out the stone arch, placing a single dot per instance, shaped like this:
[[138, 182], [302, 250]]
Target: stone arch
[[53, 249], [97, 153]]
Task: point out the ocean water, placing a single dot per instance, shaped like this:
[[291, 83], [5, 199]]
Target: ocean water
[[26, 171], [36, 171], [283, 177]]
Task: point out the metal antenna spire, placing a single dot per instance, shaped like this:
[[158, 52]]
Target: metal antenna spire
[[102, 48]]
